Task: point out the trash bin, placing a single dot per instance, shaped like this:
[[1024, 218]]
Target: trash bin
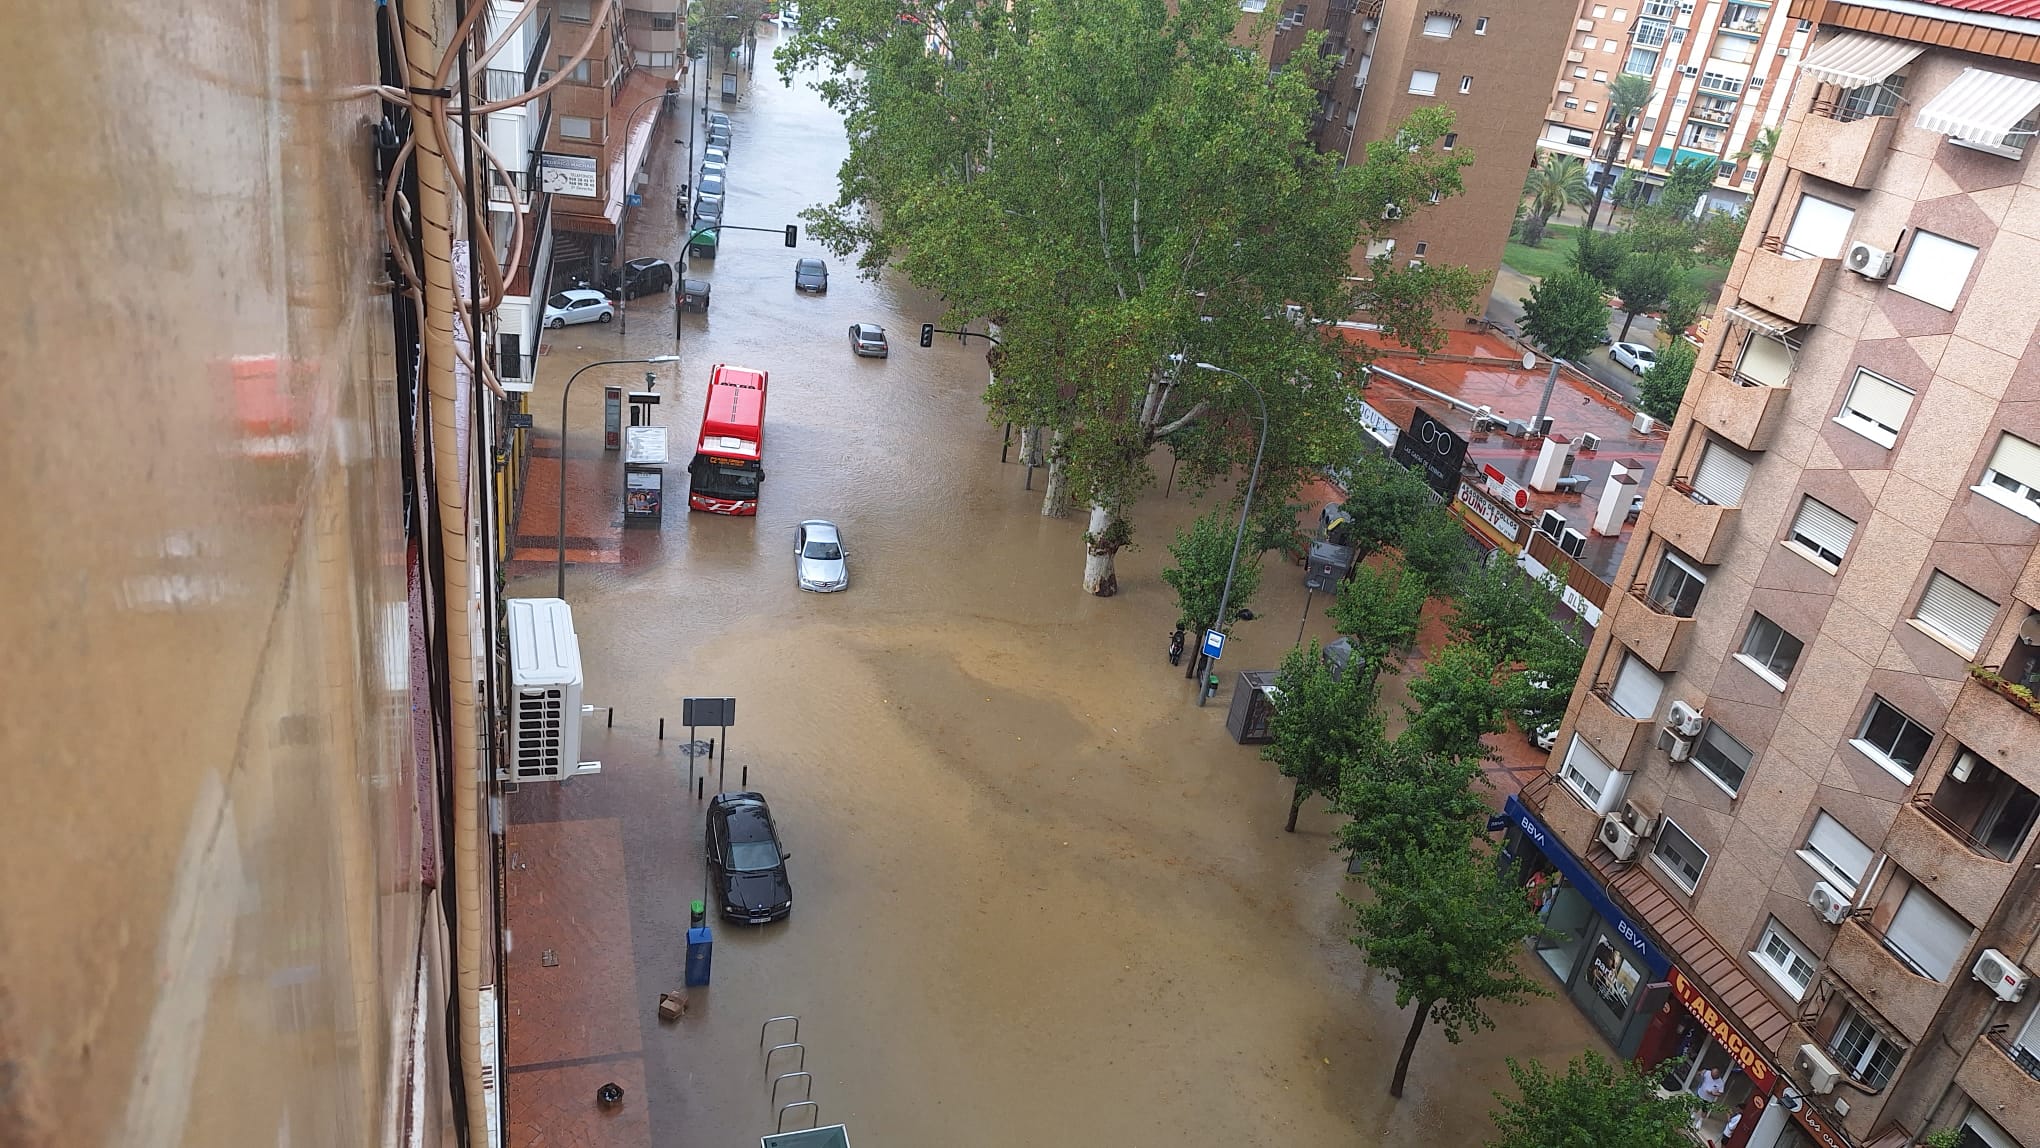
[[1339, 655], [1253, 707], [694, 294], [700, 951], [1328, 565]]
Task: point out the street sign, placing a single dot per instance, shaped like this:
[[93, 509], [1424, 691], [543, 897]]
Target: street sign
[[1214, 644], [708, 711], [634, 199]]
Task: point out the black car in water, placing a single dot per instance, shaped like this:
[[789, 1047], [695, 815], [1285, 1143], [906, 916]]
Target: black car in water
[[745, 861], [642, 277]]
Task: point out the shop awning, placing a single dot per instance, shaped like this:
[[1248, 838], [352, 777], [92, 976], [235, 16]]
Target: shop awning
[[1858, 59], [1757, 319], [1981, 107]]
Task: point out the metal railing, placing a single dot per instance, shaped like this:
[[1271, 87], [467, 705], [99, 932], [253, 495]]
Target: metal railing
[[2026, 1058], [1924, 802]]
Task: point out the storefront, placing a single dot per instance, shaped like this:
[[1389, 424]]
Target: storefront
[[1612, 971], [1699, 1050]]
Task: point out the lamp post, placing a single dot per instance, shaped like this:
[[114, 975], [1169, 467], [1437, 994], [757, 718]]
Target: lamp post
[[1246, 503], [623, 219], [564, 392]]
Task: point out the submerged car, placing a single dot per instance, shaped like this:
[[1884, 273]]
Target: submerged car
[[820, 563], [644, 277], [578, 306], [745, 860], [811, 275], [868, 339], [1635, 356]]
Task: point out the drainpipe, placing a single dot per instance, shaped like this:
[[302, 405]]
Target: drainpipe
[[435, 237]]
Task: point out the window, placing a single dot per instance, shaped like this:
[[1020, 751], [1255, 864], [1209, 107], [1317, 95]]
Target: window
[[1620, 15], [1638, 689], [1893, 740], [1722, 475], [1835, 853], [1871, 100], [1641, 62], [1678, 856], [2013, 476], [1875, 407], [1821, 533], [1980, 1131], [1480, 26], [1749, 174], [1579, 73], [1440, 25], [1600, 77], [1675, 589], [1589, 43], [662, 21], [1955, 612], [1935, 270], [1820, 229], [1769, 651], [1723, 758], [1451, 140], [1926, 934], [1725, 171], [1423, 83], [1423, 245], [1780, 954], [1592, 107], [1572, 105], [1733, 50], [1465, 84], [1253, 5], [654, 59], [1600, 11], [1586, 774], [1764, 361], [1867, 1055], [577, 128], [574, 10], [577, 74]]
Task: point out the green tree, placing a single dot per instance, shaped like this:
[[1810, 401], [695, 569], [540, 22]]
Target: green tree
[[1383, 498], [1506, 612], [1597, 1102], [1399, 797], [1446, 925], [1379, 608], [1203, 550], [1627, 96], [1455, 703], [1320, 725], [1721, 233], [1681, 311], [1685, 183], [1663, 387], [1645, 283], [1435, 549], [1566, 314], [719, 27], [1598, 255], [1559, 182], [1115, 184]]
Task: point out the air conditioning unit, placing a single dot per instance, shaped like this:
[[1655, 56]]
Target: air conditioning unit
[[1640, 819], [1677, 748], [1683, 719], [1965, 764], [1544, 426], [545, 689], [1643, 423], [1618, 837], [1553, 524], [1829, 902], [1590, 442], [1869, 262], [1517, 428], [1820, 1073], [1572, 542], [1995, 969]]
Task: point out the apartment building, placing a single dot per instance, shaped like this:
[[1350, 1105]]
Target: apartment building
[[1790, 825], [1719, 72], [1487, 64], [517, 136]]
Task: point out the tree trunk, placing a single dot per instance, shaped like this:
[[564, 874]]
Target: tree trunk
[[1100, 577], [1030, 446], [1600, 192], [1055, 496], [1295, 803], [1409, 1048], [1628, 317]]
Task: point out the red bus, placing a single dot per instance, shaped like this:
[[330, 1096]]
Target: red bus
[[729, 461]]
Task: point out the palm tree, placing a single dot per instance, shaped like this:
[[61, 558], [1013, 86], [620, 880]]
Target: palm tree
[[1626, 97], [1552, 186]]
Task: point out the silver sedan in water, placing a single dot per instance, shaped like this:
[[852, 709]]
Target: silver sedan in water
[[819, 561]]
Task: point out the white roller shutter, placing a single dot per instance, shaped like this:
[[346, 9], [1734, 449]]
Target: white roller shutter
[[1638, 689], [1765, 360], [2017, 459], [1839, 848], [1957, 611], [1929, 932], [1820, 229], [1722, 475], [1821, 527]]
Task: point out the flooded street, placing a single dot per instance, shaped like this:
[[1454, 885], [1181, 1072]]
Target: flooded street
[[1041, 898]]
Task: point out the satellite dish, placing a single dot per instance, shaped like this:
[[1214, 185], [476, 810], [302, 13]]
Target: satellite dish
[[1529, 360], [2029, 630]]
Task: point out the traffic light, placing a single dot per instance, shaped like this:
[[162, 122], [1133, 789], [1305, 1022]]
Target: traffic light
[[793, 235], [927, 334]]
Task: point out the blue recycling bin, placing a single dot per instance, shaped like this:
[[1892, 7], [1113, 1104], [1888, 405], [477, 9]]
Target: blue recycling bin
[[700, 950]]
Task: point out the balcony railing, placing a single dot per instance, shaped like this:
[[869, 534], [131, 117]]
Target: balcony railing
[[1713, 115], [1924, 802], [2025, 1058], [541, 41]]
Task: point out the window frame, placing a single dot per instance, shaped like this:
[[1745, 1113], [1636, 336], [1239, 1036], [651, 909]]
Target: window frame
[[1776, 639], [1622, 669], [1829, 868], [1414, 90], [1449, 23], [2019, 497], [1878, 1042], [1841, 244], [1705, 742], [1657, 855], [568, 8], [1691, 573], [1863, 424], [1465, 85], [1942, 915], [1804, 545], [1629, 62], [564, 120], [1607, 792], [1957, 642], [1879, 754], [1934, 245], [1480, 25], [1780, 972]]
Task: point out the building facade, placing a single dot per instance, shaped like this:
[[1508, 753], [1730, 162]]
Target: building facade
[[1488, 65], [1793, 803], [1719, 73]]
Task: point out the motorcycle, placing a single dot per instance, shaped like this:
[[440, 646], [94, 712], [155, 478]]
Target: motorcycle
[[1176, 647]]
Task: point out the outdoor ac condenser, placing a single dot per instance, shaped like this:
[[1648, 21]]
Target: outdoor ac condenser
[[545, 692]]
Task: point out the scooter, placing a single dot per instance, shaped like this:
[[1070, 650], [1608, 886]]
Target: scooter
[[1176, 647]]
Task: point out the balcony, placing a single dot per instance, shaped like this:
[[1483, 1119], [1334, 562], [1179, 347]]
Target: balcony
[[1925, 839], [1616, 736], [1659, 638], [2003, 1077], [1905, 998], [1714, 115], [1991, 718], [1700, 530], [1792, 289], [1744, 19], [1847, 151], [1743, 412]]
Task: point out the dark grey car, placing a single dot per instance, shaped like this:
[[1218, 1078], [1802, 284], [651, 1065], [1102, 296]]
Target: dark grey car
[[811, 274]]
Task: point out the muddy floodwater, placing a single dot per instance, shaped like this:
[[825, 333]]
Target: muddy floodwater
[[1041, 898]]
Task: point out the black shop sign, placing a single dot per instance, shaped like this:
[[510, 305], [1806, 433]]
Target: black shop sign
[[1431, 447]]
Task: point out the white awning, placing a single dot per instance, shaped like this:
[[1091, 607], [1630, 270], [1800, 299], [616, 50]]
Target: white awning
[[1981, 107], [1757, 319], [1858, 59]]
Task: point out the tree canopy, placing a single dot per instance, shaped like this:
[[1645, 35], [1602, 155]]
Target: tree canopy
[[1321, 723], [1663, 387], [1596, 1103], [1203, 551], [1565, 314]]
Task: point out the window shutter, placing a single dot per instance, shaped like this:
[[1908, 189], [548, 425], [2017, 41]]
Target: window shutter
[[1765, 360], [1823, 526], [1638, 688], [1880, 400], [2017, 459], [1957, 611], [1721, 476], [1840, 846], [1929, 932], [1820, 228]]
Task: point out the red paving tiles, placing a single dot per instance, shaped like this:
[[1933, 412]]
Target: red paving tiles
[[594, 507], [556, 1107], [566, 892]]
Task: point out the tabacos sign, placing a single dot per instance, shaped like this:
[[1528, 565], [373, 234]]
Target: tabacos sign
[[1718, 1026]]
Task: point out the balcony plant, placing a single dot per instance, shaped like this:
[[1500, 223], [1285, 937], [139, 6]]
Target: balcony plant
[[2011, 690]]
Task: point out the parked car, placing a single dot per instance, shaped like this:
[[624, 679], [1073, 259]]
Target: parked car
[[719, 120], [819, 561], [714, 169], [578, 306], [719, 136], [811, 274], [1635, 356], [868, 339], [644, 277], [745, 859], [715, 155], [709, 187]]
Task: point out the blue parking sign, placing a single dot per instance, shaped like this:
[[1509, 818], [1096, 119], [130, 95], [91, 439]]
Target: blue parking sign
[[1214, 644]]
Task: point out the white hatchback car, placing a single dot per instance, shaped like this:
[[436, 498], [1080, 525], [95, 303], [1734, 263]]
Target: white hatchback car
[[578, 306], [1635, 356]]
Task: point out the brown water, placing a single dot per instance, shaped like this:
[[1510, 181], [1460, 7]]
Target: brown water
[[1040, 897]]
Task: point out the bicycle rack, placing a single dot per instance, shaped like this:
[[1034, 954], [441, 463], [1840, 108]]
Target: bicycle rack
[[789, 1076], [798, 1065], [814, 1120], [775, 1020]]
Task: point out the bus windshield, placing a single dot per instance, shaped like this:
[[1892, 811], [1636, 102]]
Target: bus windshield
[[722, 479]]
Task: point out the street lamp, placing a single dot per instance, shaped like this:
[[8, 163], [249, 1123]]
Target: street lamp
[[1246, 503], [568, 390]]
